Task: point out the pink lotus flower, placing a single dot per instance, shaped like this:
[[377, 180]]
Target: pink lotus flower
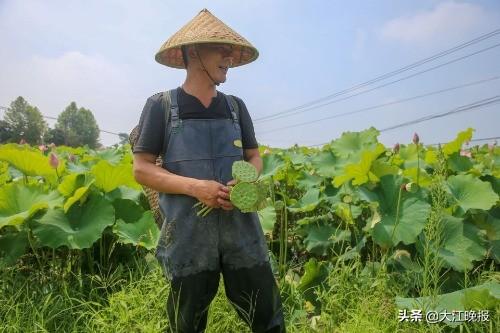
[[43, 148], [396, 148], [416, 139], [53, 160], [22, 142]]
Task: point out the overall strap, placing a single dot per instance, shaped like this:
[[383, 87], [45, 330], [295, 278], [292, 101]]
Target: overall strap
[[233, 107]]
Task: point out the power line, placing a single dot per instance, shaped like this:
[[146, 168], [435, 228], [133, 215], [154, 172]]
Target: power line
[[467, 107], [382, 105], [380, 86], [53, 118], [390, 74], [479, 104]]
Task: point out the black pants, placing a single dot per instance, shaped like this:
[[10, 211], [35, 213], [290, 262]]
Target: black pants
[[252, 291]]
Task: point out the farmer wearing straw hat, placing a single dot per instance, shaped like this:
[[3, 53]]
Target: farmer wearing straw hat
[[200, 132]]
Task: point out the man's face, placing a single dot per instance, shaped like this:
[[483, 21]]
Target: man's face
[[217, 58]]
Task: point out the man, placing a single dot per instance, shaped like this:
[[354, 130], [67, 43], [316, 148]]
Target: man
[[204, 134]]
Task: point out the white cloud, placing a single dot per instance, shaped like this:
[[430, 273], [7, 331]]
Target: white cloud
[[448, 20]]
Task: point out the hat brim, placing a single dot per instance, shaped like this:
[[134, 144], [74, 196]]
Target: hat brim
[[172, 56]]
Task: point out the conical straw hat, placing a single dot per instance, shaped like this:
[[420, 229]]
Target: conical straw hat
[[205, 28]]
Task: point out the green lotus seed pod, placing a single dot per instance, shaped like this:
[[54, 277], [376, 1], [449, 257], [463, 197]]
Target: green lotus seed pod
[[347, 199], [244, 171], [245, 196]]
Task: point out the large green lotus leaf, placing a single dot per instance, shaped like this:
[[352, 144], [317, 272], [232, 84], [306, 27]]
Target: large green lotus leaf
[[495, 183], [308, 181], [128, 210], [272, 163], [326, 164], [307, 203], [455, 145], [462, 243], [80, 196], [408, 155], [4, 173], [79, 228], [413, 213], [143, 232], [381, 168], [109, 177], [490, 223], [297, 158], [457, 163], [424, 180], [113, 156], [267, 217], [20, 202], [70, 183], [360, 173], [471, 193], [351, 144], [124, 192], [12, 246], [29, 161], [321, 238], [455, 301]]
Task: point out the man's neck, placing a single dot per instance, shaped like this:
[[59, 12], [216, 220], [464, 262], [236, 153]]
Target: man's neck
[[199, 86]]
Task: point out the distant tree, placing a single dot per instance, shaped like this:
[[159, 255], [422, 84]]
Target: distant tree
[[123, 138], [78, 126], [25, 122], [55, 136], [5, 131]]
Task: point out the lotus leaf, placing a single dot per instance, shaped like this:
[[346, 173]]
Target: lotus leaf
[[460, 300], [70, 183], [462, 243], [267, 217], [30, 162], [143, 232], [109, 177], [79, 228], [80, 195], [321, 238], [403, 225], [351, 145], [455, 145], [471, 193], [307, 203], [20, 202]]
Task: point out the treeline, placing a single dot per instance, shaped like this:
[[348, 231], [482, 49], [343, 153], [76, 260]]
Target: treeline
[[24, 123]]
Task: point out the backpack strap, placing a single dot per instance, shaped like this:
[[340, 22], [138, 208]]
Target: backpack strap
[[171, 110]]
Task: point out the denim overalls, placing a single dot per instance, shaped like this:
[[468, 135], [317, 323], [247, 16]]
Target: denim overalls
[[193, 250]]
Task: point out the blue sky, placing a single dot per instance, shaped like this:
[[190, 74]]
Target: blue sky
[[101, 55]]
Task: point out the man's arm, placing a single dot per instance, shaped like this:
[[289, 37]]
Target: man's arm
[[147, 173], [253, 156]]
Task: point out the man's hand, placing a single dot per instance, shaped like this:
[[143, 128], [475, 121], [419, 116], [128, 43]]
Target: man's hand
[[223, 199], [207, 191]]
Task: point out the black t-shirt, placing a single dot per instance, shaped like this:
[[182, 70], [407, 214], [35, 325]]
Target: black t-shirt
[[152, 122]]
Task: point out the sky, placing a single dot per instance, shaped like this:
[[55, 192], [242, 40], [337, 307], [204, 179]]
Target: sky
[[100, 54]]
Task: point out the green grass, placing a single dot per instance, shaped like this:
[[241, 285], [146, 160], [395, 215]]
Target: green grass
[[133, 300]]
